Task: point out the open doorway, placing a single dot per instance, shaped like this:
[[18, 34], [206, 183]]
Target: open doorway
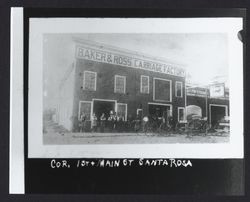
[[103, 106], [217, 112], [158, 110]]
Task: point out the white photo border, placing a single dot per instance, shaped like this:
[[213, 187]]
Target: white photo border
[[229, 25]]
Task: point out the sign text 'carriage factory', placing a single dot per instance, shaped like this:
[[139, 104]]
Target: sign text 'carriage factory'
[[117, 59]]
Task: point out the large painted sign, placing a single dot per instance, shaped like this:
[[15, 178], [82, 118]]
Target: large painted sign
[[127, 61], [217, 90]]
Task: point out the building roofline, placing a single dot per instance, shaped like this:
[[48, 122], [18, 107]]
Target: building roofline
[[128, 52]]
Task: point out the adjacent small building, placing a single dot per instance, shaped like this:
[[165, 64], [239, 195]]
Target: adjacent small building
[[211, 101]]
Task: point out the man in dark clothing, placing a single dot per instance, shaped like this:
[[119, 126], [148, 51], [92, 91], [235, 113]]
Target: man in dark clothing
[[103, 122]]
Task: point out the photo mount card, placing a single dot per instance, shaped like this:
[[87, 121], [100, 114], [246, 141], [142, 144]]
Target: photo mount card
[[129, 88]]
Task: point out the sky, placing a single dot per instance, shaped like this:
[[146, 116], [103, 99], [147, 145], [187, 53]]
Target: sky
[[204, 55]]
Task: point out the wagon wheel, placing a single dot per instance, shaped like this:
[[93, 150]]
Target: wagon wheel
[[165, 128], [150, 128], [217, 133], [180, 129], [159, 130], [205, 128], [190, 129]]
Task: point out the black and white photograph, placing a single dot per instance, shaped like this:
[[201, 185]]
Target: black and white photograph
[[126, 82], [135, 88]]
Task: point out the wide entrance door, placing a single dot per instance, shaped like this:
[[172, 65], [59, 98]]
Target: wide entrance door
[[158, 110], [103, 106], [217, 113]]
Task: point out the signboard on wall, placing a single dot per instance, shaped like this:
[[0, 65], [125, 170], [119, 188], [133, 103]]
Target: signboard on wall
[[196, 91], [88, 53], [217, 90]]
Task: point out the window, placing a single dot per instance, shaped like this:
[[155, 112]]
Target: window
[[120, 84], [89, 81], [181, 113], [144, 84], [162, 90], [178, 89], [85, 109], [122, 111]]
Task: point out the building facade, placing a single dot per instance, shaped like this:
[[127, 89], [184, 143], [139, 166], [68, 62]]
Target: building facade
[[105, 79], [102, 79], [211, 102]]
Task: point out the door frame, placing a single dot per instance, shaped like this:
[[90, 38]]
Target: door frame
[[216, 105], [104, 100], [79, 108], [126, 112], [162, 104]]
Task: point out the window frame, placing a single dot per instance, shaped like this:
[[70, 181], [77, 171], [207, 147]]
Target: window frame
[[184, 113], [217, 105], [126, 112], [95, 73], [79, 108], [176, 83], [170, 81], [141, 84], [119, 76]]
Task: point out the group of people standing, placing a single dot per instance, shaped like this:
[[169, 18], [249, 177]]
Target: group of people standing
[[115, 123], [103, 123]]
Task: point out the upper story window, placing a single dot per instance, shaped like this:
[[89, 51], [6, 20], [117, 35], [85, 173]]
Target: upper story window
[[162, 90], [120, 84], [89, 81], [178, 89], [144, 84]]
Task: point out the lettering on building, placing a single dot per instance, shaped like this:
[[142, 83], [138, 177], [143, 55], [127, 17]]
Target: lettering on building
[[116, 59]]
